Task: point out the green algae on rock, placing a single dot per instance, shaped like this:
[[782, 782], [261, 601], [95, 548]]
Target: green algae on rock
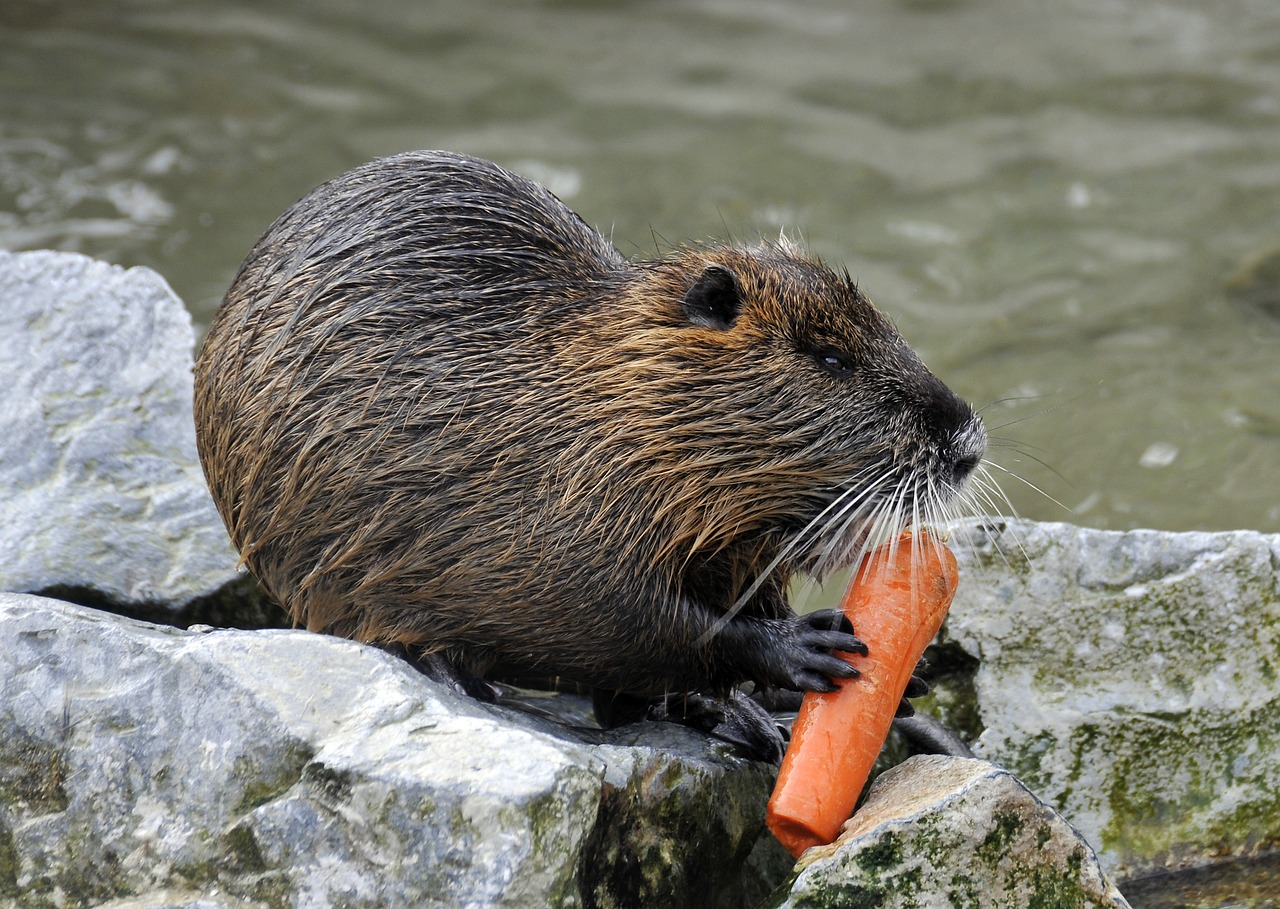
[[1130, 679], [943, 831]]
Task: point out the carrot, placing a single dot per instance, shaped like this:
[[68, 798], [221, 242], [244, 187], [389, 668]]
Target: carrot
[[896, 602]]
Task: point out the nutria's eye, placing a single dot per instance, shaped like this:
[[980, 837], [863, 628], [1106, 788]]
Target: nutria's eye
[[836, 363]]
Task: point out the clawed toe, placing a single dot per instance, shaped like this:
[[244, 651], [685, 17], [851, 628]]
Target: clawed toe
[[832, 629]]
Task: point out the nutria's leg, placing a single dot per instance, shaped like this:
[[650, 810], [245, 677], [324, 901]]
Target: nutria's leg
[[795, 652], [617, 708], [438, 668], [926, 735]]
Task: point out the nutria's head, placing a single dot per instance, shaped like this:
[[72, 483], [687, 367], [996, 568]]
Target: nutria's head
[[783, 402]]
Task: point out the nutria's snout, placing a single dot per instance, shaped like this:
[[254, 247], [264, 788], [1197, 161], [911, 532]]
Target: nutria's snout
[[966, 449], [959, 434], [437, 411]]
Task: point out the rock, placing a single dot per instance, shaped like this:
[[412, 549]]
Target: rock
[[1132, 681], [940, 832], [104, 496], [160, 767], [179, 899]]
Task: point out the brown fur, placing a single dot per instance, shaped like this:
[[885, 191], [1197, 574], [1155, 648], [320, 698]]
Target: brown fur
[[437, 410]]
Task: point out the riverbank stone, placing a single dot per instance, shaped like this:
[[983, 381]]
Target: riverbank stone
[[940, 831], [104, 500], [1131, 680], [291, 769]]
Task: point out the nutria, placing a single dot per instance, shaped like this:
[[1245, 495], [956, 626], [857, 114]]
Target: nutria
[[440, 413]]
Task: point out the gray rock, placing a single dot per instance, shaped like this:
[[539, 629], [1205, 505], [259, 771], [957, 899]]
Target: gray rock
[[180, 899], [292, 769], [943, 832], [1131, 680], [103, 489]]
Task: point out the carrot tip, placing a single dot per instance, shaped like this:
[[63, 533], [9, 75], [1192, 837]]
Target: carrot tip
[[794, 835]]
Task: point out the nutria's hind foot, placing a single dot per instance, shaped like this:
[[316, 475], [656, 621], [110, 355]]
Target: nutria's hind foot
[[438, 668], [736, 719], [916, 687]]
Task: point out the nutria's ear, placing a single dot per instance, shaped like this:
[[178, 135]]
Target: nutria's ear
[[714, 301]]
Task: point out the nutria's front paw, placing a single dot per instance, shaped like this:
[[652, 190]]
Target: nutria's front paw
[[810, 663]]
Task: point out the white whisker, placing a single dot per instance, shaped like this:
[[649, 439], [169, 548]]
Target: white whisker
[[854, 492], [1027, 483]]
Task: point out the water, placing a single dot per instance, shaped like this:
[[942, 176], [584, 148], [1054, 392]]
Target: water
[[1051, 199]]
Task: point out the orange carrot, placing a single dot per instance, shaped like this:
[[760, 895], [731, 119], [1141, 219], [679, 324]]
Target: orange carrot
[[896, 602]]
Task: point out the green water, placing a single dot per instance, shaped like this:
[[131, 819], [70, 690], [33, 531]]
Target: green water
[[1050, 198]]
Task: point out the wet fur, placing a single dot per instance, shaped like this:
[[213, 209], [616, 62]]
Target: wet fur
[[438, 410]]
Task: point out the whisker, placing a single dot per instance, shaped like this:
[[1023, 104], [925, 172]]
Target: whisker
[[841, 534], [997, 500], [984, 491], [1027, 483], [1009, 399], [1025, 452], [854, 491], [985, 486], [1039, 413], [882, 523]]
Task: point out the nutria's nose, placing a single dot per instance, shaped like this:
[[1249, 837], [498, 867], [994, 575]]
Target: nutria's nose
[[956, 430], [967, 448]]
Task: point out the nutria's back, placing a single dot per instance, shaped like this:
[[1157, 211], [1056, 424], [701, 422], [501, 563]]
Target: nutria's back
[[436, 409]]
